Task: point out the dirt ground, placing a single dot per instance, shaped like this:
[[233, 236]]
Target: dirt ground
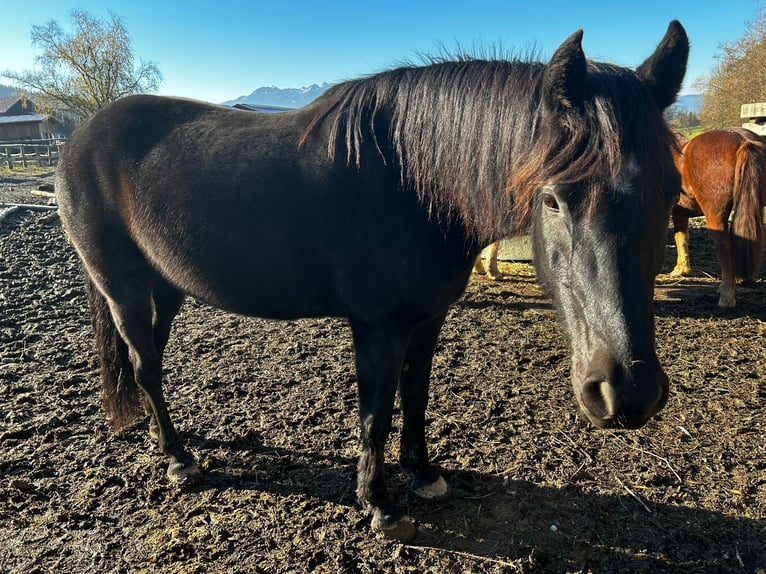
[[269, 409]]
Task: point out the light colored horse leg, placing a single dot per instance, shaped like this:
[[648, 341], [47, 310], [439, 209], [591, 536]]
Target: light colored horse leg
[[490, 252], [494, 272], [681, 237], [478, 266]]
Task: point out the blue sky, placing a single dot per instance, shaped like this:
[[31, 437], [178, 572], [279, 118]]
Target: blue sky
[[220, 50]]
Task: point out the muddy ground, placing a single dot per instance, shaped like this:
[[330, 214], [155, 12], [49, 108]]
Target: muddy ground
[[269, 409]]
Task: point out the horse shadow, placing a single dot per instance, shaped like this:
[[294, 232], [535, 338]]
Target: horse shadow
[[508, 524], [10, 180], [695, 298], [502, 295]]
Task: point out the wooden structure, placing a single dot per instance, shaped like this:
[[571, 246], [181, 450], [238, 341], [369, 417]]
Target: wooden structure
[[515, 249], [20, 122], [754, 116], [43, 152]]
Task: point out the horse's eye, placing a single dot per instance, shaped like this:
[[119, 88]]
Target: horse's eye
[[550, 202]]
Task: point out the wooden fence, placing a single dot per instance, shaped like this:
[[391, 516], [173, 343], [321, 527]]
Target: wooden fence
[[42, 152], [754, 117]]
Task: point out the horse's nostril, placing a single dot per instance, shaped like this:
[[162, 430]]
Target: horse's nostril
[[601, 399]]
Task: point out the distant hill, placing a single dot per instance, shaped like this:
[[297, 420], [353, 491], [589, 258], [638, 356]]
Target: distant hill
[[689, 103], [281, 97], [6, 91]]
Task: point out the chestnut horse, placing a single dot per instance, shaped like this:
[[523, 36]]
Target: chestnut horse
[[723, 173], [393, 183]]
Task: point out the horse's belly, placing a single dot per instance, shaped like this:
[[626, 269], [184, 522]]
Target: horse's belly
[[263, 294]]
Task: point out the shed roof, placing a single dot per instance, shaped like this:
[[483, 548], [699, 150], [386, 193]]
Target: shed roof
[[25, 119], [8, 102]]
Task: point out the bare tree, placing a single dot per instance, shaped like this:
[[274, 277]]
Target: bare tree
[[738, 78], [81, 72]]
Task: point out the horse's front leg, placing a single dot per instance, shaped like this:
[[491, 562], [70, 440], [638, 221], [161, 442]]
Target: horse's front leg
[[379, 357], [478, 266], [413, 393], [494, 272]]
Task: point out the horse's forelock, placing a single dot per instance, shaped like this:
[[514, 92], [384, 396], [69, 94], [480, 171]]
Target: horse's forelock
[[619, 123]]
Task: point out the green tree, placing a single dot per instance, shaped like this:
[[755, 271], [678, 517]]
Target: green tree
[[78, 73], [738, 78]]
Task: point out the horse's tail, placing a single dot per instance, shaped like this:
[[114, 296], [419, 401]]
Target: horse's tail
[[747, 223], [119, 392]]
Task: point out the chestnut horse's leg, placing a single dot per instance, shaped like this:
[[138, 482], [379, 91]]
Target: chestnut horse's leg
[[380, 354], [681, 237], [721, 237], [413, 395]]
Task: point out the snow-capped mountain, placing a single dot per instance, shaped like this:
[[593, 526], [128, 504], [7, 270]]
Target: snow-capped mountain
[[281, 97]]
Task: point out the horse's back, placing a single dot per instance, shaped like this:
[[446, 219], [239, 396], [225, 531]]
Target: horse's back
[[217, 200]]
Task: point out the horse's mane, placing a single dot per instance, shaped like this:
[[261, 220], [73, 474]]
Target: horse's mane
[[472, 139]]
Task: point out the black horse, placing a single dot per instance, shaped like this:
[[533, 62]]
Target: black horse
[[393, 183]]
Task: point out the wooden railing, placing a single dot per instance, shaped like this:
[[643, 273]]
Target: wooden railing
[[43, 152]]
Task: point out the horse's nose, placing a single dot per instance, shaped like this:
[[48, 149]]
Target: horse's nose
[[623, 402], [601, 399]]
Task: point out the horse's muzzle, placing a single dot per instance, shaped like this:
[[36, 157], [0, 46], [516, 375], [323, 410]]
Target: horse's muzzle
[[626, 402]]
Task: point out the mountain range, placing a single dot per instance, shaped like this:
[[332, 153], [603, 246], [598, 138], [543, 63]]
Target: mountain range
[[281, 97]]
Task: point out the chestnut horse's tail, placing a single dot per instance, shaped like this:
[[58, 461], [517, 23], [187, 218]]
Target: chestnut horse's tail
[[747, 223], [119, 392]]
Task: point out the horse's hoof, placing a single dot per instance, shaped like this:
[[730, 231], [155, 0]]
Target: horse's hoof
[[401, 529], [181, 473], [680, 272], [438, 490]]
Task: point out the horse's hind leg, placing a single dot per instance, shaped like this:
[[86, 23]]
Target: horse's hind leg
[[166, 302], [722, 240], [133, 310], [379, 356], [413, 394]]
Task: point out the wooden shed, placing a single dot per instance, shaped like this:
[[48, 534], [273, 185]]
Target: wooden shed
[[20, 122]]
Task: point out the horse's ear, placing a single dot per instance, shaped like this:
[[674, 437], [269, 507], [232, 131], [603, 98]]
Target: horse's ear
[[664, 70], [565, 81]]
